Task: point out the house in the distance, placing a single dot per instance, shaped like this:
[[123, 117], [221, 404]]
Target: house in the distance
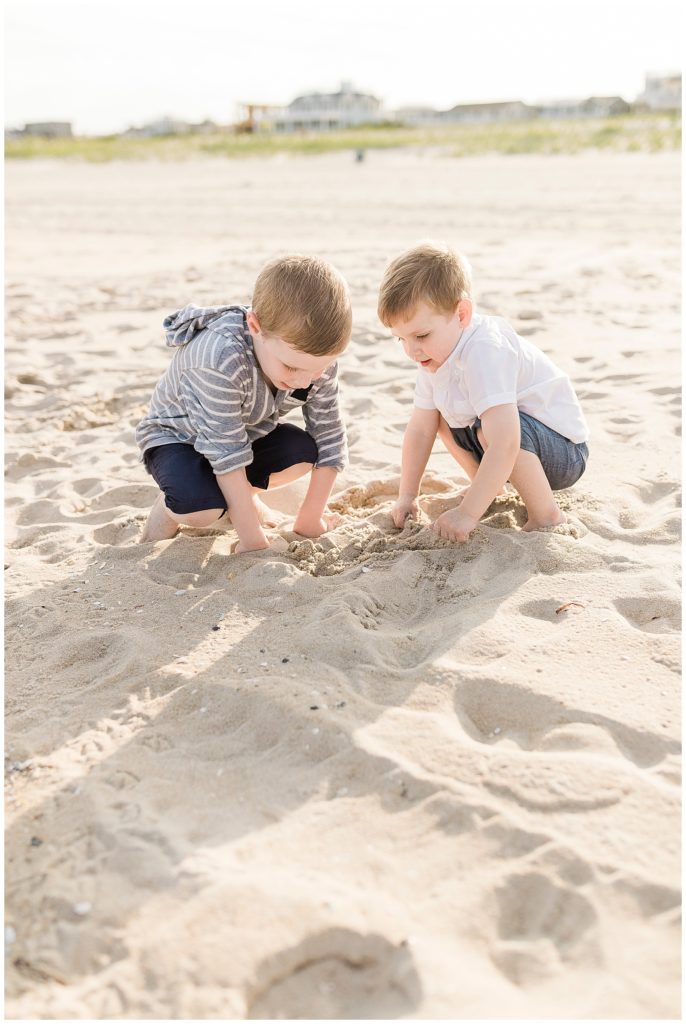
[[604, 106], [171, 126], [320, 111], [417, 116], [661, 92], [593, 106], [486, 113], [46, 130]]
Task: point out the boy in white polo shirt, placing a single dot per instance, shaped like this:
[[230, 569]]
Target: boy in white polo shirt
[[502, 408]]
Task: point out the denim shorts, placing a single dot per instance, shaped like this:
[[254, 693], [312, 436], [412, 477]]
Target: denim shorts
[[187, 479], [563, 461]]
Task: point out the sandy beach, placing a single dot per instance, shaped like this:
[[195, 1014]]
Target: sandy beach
[[377, 775]]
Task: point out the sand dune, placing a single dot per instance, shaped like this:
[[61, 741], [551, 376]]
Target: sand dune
[[374, 775]]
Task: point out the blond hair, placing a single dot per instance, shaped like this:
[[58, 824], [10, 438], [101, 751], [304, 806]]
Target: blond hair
[[304, 301], [430, 272]]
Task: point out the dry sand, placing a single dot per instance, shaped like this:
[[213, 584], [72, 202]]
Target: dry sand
[[402, 778]]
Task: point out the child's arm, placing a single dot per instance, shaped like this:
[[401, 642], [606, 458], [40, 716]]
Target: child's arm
[[500, 426], [418, 441], [239, 498], [324, 423], [310, 521]]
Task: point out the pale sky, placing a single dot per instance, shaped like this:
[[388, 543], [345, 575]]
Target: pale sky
[[104, 65]]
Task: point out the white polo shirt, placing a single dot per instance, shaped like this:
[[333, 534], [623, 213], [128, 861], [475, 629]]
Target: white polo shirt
[[491, 365]]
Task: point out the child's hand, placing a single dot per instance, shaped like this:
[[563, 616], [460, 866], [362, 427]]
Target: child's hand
[[316, 527], [240, 548], [405, 506], [454, 525]]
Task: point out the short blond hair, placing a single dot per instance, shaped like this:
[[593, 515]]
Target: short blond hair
[[430, 272], [304, 301]]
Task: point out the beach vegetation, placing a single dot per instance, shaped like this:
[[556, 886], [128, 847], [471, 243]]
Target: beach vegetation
[[634, 132]]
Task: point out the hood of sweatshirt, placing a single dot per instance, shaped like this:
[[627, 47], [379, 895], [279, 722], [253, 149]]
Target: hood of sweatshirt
[[183, 325]]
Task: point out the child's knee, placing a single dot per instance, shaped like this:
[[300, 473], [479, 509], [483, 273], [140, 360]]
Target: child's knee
[[208, 517]]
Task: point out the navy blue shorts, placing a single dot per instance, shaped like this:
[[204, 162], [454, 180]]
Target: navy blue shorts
[[563, 461], [187, 479]]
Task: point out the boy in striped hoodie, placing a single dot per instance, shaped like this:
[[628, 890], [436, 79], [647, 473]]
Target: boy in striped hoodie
[[214, 436]]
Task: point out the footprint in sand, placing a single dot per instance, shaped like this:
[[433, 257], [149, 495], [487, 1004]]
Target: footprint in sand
[[663, 391], [651, 899], [655, 613], [30, 464], [636, 378], [122, 533], [591, 396], [38, 537], [542, 928], [135, 495], [95, 658], [90, 487], [491, 712], [336, 974], [635, 528], [651, 492]]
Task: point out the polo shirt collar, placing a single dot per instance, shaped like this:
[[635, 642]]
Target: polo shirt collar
[[456, 355], [454, 359]]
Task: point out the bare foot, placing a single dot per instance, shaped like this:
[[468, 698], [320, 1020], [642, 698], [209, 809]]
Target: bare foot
[[266, 515], [159, 525], [328, 521], [532, 524]]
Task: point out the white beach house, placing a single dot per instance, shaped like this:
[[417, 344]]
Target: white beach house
[[320, 111], [661, 92]]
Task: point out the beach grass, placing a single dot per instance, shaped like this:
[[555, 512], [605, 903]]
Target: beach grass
[[623, 133]]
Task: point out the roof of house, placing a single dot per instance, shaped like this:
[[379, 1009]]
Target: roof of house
[[330, 98], [499, 105]]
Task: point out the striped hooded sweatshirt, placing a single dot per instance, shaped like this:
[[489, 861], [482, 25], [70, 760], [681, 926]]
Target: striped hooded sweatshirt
[[215, 396]]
